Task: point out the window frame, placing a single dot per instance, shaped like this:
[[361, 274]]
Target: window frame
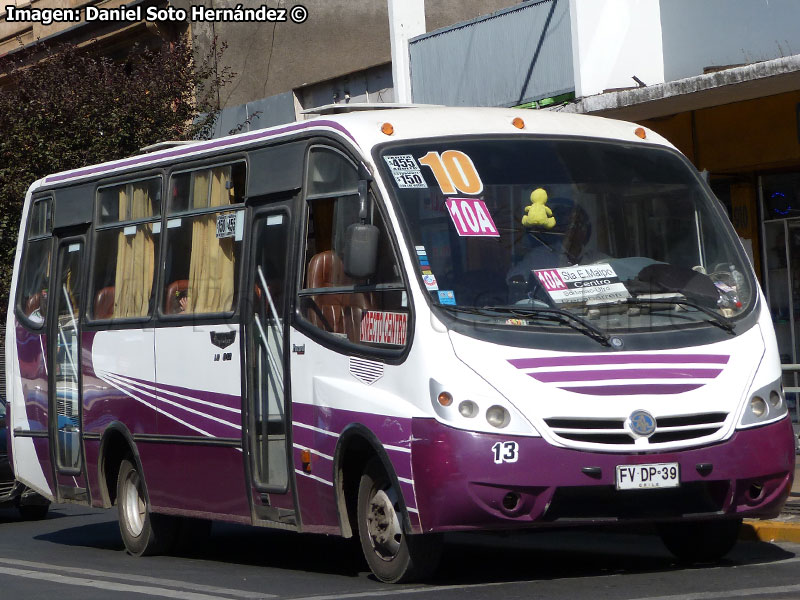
[[391, 355], [25, 258], [97, 227], [167, 216]]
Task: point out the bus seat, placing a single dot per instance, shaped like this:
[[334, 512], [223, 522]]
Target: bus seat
[[175, 290], [33, 303], [326, 270], [358, 304], [104, 303]]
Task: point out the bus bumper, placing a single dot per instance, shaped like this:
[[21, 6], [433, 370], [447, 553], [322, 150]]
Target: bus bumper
[[459, 486]]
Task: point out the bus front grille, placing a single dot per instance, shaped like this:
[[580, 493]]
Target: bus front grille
[[614, 432]]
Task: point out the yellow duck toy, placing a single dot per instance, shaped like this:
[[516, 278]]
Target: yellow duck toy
[[538, 213]]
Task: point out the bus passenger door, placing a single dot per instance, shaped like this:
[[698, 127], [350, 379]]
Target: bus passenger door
[[267, 399], [65, 396]]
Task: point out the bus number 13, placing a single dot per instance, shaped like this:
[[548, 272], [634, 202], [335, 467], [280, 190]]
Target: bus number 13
[[505, 452]]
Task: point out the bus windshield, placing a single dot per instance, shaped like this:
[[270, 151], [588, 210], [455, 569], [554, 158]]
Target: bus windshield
[[541, 231]]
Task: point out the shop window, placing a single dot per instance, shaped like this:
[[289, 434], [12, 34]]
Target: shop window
[[204, 237]]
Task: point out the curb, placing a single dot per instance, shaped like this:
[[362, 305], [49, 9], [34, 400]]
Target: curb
[[769, 531]]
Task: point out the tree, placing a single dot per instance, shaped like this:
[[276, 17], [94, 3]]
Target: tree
[[73, 108]]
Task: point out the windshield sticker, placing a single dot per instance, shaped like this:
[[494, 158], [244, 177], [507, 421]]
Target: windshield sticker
[[516, 322], [454, 171], [422, 257], [430, 281], [406, 171], [226, 225], [582, 283], [384, 327], [471, 217], [447, 297]]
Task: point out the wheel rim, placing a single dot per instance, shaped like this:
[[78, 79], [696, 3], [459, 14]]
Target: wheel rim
[[133, 505], [383, 525]]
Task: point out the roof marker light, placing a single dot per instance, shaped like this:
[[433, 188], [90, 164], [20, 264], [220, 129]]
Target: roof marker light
[[640, 132], [387, 128], [518, 123]]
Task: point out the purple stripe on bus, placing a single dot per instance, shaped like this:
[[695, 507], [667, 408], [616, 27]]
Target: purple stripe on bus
[[636, 389], [408, 494], [182, 407], [175, 420], [308, 438], [555, 376], [33, 376], [617, 359], [394, 431], [191, 148], [390, 431], [229, 400]]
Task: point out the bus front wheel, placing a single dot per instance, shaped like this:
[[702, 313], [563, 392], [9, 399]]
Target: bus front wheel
[[392, 555], [143, 533], [700, 541]]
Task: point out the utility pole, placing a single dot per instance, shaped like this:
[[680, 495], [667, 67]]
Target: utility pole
[[406, 20]]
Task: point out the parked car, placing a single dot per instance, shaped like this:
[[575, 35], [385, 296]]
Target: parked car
[[31, 505]]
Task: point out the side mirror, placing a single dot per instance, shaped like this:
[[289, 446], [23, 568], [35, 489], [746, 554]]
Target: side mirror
[[361, 240], [361, 250]]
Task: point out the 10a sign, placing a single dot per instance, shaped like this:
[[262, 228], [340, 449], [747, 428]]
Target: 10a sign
[[471, 217]]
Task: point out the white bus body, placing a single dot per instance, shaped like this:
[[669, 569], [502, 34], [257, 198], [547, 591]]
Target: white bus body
[[395, 324]]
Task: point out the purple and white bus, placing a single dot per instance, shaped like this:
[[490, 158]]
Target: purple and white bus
[[393, 324]]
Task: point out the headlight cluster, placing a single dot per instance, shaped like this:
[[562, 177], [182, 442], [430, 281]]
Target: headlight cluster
[[449, 405], [764, 406], [496, 415]]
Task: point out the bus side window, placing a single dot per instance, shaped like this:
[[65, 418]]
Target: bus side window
[[126, 248], [34, 280], [204, 239], [358, 305]]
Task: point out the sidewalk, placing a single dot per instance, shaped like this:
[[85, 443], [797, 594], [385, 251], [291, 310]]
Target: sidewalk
[[783, 528]]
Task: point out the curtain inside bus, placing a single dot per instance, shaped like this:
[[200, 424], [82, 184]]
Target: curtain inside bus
[[135, 254], [211, 269]]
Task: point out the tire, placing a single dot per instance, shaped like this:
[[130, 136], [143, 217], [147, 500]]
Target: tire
[[33, 512], [392, 555], [143, 533], [700, 541]]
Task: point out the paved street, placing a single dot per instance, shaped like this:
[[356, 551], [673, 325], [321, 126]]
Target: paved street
[[77, 553]]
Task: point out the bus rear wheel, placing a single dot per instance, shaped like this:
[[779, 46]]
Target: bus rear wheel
[[700, 541], [392, 555], [143, 533]]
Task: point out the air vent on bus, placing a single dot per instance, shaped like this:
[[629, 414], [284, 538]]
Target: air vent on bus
[[614, 432], [6, 487]]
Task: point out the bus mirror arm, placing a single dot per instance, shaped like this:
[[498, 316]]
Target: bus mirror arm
[[363, 200]]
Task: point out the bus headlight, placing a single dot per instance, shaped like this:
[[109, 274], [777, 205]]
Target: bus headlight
[[758, 407], [468, 409], [497, 416], [764, 405]]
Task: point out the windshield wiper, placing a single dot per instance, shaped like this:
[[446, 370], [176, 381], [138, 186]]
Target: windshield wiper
[[717, 319], [556, 314]]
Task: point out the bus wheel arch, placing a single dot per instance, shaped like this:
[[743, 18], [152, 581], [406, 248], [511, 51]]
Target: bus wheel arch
[[116, 445], [372, 507], [356, 447]]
